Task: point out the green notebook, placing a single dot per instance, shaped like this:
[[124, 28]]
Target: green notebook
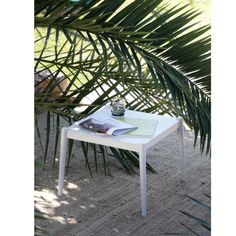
[[146, 127]]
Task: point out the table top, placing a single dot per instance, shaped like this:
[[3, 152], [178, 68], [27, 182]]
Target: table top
[[165, 125]]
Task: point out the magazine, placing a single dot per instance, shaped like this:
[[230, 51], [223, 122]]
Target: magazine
[[106, 125]]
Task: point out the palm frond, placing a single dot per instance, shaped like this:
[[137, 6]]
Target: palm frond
[[145, 51]]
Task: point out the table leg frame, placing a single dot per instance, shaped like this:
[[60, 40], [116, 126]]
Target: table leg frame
[[63, 150], [143, 180], [142, 164]]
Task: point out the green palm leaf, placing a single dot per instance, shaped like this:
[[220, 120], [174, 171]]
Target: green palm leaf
[[153, 54]]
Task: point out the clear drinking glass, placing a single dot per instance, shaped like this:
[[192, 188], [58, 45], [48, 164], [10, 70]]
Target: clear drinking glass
[[118, 106]]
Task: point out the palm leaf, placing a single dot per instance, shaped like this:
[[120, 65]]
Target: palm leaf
[[146, 51]]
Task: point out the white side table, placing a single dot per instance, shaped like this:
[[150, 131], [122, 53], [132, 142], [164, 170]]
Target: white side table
[[165, 126]]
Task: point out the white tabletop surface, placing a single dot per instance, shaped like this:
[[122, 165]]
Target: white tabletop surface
[[165, 125]]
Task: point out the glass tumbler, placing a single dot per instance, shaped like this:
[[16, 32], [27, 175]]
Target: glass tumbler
[[118, 106]]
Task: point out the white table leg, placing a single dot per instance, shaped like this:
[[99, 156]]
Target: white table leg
[[143, 180], [181, 140], [63, 148]]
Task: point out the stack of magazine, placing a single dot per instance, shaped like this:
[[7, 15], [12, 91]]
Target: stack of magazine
[[118, 126]]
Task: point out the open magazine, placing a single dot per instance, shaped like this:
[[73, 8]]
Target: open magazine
[[106, 125]]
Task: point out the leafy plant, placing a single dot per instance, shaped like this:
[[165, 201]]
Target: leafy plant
[[144, 50], [38, 214], [201, 222]]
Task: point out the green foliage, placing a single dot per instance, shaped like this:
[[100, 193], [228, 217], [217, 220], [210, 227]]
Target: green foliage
[[38, 214], [145, 51], [202, 223]]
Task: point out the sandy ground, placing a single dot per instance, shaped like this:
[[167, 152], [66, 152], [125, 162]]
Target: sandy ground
[[105, 205]]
